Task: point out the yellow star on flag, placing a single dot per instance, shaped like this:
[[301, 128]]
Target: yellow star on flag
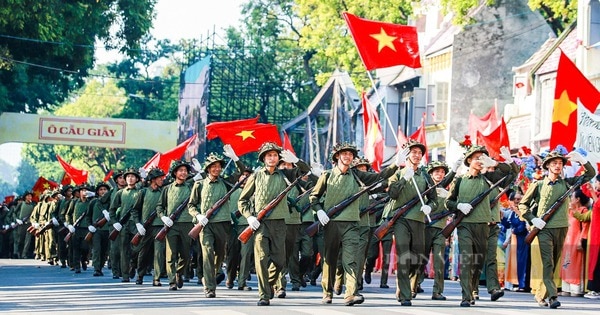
[[245, 134], [384, 40], [563, 108]]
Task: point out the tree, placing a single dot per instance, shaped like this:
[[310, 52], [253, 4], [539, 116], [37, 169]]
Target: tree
[[28, 175], [47, 47]]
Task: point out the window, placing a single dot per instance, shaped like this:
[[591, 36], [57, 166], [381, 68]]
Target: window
[[437, 102]]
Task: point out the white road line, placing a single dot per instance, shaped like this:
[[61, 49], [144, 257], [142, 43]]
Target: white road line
[[218, 312]]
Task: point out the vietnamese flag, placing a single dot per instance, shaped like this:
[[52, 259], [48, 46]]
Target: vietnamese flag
[[248, 138], [572, 87], [40, 186], [382, 45], [486, 124], [163, 160], [495, 140], [287, 144], [78, 176], [374, 144], [212, 128]]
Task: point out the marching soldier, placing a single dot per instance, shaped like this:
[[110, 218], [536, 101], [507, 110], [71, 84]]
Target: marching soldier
[[22, 239], [341, 235], [216, 231], [100, 240], [79, 228], [269, 241], [474, 230], [553, 232], [177, 240], [65, 198]]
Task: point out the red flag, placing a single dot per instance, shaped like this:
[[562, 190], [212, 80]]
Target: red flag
[[572, 87], [419, 135], [9, 199], [248, 138], [382, 44], [66, 180], [108, 176], [402, 139], [495, 140], [78, 176], [373, 147], [163, 160], [485, 124], [212, 128], [287, 144], [40, 185]]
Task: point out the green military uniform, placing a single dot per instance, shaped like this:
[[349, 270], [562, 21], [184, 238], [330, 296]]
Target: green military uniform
[[435, 242], [303, 244], [473, 231], [80, 246], [23, 240], [100, 240], [551, 238], [269, 240], [125, 199], [239, 255], [214, 236], [177, 239], [50, 248], [341, 235], [61, 211]]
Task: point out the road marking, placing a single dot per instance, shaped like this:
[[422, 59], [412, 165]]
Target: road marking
[[218, 312], [413, 311], [318, 311]]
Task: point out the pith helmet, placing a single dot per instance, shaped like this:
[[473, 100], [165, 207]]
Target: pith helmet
[[361, 161], [177, 164], [133, 171], [100, 185], [66, 188], [472, 150], [411, 143], [552, 156], [344, 146], [85, 186], [266, 147], [117, 174], [211, 159], [437, 164], [154, 173]]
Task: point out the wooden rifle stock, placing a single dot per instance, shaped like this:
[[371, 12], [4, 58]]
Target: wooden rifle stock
[[338, 208], [195, 231], [135, 241], [266, 211], [448, 229], [384, 228], [552, 210], [114, 233], [45, 228], [174, 216]]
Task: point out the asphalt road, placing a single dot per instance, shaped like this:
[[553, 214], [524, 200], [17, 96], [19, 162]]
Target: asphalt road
[[34, 287]]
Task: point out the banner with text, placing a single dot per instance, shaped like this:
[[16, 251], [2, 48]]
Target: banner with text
[[588, 134]]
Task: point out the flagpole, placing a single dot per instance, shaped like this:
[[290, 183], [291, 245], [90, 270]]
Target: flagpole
[[379, 99]]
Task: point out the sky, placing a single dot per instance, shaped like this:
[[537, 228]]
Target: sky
[[175, 19]]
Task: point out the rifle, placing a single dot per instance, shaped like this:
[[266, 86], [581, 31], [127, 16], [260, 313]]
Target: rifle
[[294, 201], [195, 231], [76, 224], [174, 216], [494, 201], [552, 210], [438, 216], [448, 229], [384, 228], [124, 218], [371, 207], [45, 228], [100, 222], [337, 209], [266, 211], [147, 223]]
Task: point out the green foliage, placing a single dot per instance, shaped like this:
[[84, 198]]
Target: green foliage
[[47, 47], [28, 175]]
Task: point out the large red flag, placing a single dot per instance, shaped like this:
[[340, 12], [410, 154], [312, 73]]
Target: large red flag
[[287, 144], [373, 146], [163, 160], [382, 44], [212, 128], [40, 185], [485, 124], [66, 180], [78, 176], [572, 87], [495, 140], [248, 138]]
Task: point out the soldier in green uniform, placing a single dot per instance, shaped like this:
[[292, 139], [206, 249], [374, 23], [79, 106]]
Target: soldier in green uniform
[[341, 235], [115, 246], [409, 229], [65, 197], [35, 225], [100, 242], [23, 240], [239, 255], [269, 240], [474, 230], [79, 229], [552, 232], [213, 237], [49, 236], [435, 242], [177, 239], [149, 251], [67, 219]]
